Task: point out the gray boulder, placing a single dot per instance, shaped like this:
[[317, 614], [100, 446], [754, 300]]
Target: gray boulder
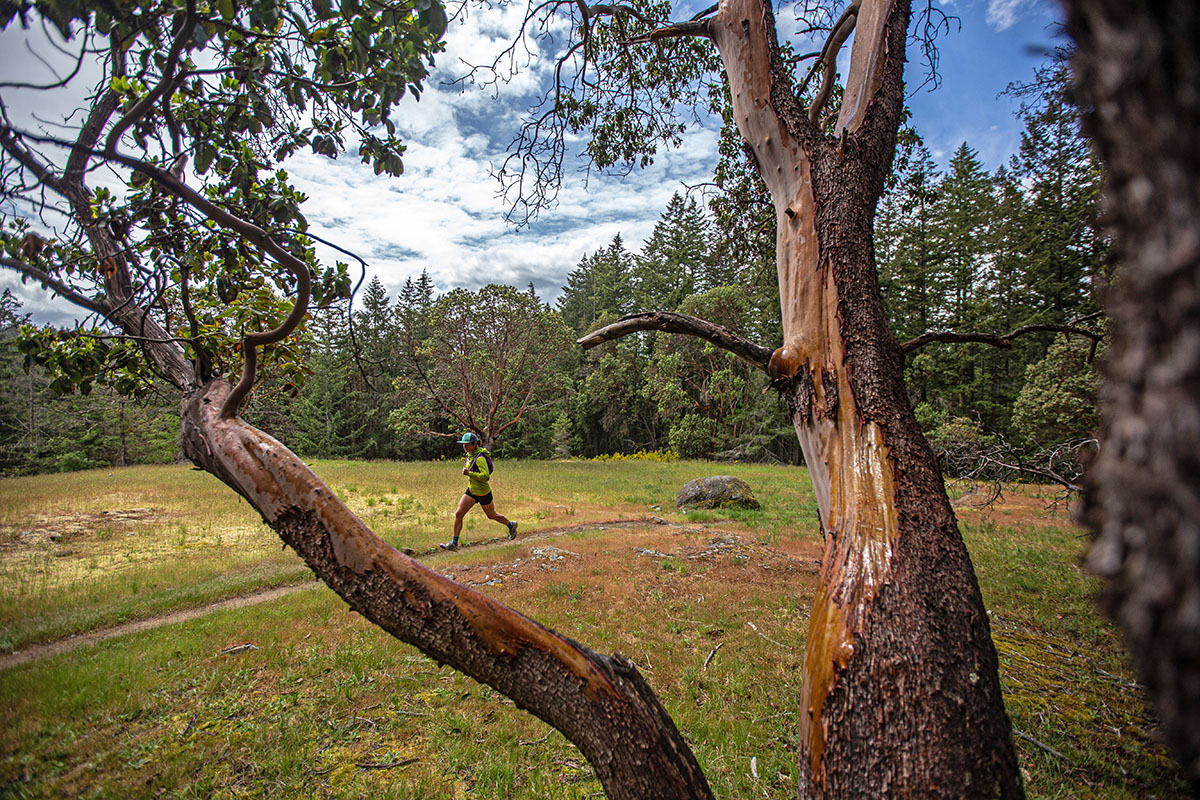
[[717, 491]]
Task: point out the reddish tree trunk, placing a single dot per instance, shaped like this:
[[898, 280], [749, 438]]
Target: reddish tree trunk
[[901, 693], [600, 703]]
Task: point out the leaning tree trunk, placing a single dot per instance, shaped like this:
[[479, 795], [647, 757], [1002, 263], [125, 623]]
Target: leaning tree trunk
[[1138, 80], [600, 703], [901, 694]]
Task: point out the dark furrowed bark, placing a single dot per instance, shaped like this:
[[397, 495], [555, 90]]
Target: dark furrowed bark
[[1137, 70], [915, 710], [600, 703]]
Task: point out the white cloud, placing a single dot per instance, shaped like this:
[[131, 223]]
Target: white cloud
[[443, 214], [1003, 14]]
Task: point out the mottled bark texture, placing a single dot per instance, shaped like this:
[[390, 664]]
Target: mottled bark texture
[[1137, 76], [901, 695], [600, 703]]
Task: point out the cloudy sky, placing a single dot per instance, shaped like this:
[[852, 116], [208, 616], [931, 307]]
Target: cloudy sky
[[443, 213]]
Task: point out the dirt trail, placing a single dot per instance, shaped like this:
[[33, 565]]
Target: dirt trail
[[37, 651]]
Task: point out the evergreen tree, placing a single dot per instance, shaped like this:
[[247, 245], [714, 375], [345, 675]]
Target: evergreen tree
[[1064, 249], [711, 402], [599, 285], [909, 262], [328, 411], [965, 212], [1058, 401], [964, 218], [379, 355], [675, 261]]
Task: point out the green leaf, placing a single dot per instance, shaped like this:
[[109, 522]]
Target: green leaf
[[204, 158], [434, 18]]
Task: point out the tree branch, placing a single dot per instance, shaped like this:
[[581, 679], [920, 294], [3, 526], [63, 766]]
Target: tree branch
[[828, 60], [670, 322], [247, 230], [676, 30], [55, 285], [165, 84], [996, 340]]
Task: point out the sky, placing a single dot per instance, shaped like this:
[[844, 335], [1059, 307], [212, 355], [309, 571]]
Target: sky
[[443, 214]]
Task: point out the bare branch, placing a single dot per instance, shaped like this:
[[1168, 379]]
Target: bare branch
[[55, 285], [828, 60], [670, 322], [57, 84], [676, 30], [994, 339]]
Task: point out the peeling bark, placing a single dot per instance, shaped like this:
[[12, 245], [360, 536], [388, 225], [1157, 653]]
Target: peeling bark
[[901, 694], [600, 703]]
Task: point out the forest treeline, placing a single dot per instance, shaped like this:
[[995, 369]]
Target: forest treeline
[[397, 377]]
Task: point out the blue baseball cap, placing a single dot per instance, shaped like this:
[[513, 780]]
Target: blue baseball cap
[[469, 438]]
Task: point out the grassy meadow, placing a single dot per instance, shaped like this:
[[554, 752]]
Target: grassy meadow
[[712, 606]]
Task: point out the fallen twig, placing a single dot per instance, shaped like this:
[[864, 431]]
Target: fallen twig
[[536, 741], [711, 653], [754, 628], [1045, 747], [404, 762]]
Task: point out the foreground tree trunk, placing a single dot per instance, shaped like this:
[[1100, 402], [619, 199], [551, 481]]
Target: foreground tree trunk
[[901, 693], [600, 703], [1137, 76]]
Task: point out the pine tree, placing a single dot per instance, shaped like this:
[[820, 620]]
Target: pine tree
[[909, 262], [675, 261], [964, 219], [599, 285], [1065, 251], [328, 411]]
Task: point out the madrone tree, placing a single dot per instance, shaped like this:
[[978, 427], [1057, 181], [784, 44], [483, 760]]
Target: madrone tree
[[164, 217], [489, 358]]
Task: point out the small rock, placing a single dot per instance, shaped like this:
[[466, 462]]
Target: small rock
[[717, 491], [646, 551]]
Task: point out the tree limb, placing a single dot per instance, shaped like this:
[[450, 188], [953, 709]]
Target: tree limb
[[600, 703], [670, 322], [165, 85], [828, 60], [244, 228], [994, 339], [55, 285], [676, 30]]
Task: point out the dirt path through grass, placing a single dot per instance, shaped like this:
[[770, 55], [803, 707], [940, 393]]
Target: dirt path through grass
[[75, 641]]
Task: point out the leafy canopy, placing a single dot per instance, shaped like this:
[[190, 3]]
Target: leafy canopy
[[218, 94]]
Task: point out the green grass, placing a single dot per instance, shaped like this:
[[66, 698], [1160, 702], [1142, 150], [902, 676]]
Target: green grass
[[167, 713]]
